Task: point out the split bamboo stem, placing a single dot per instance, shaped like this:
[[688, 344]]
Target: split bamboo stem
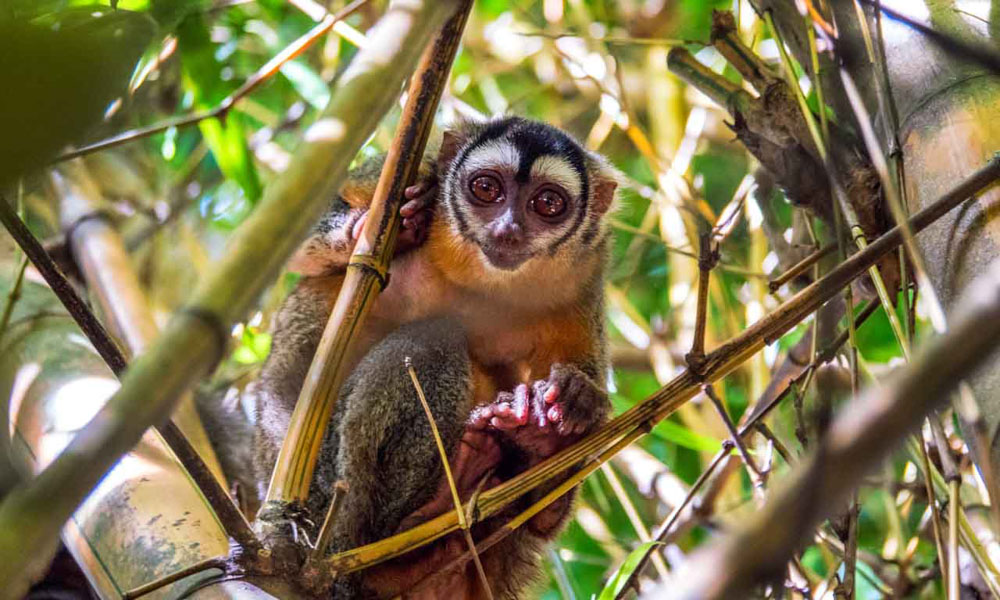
[[633, 423], [103, 260], [33, 513], [370, 260]]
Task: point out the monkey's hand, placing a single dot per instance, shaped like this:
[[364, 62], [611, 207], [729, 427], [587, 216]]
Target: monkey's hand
[[417, 213], [542, 420], [548, 416]]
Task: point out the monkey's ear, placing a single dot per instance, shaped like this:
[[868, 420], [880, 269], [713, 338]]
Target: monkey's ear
[[451, 142], [604, 194]]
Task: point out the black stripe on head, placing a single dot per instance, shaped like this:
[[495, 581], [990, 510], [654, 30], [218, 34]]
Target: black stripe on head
[[533, 140]]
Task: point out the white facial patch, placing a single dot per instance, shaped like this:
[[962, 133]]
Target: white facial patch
[[497, 154], [559, 172]]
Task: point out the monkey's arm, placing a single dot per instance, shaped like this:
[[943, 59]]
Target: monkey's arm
[[328, 248]]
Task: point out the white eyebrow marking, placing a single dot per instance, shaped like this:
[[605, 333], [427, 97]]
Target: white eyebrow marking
[[496, 154], [558, 171]]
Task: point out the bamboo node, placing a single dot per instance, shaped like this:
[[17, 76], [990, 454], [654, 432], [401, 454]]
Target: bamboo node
[[373, 265]]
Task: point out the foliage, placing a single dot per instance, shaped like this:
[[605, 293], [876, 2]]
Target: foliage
[[596, 68]]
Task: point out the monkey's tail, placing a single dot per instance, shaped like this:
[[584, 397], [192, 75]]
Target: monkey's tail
[[230, 430]]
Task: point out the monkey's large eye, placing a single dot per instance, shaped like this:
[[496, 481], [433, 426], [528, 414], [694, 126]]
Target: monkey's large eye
[[487, 189], [549, 204]]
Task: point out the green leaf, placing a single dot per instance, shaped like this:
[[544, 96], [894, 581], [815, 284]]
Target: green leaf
[[621, 576], [59, 73], [203, 78], [682, 436]]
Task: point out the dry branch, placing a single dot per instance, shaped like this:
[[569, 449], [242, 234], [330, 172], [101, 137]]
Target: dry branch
[[635, 422], [866, 431], [32, 514]]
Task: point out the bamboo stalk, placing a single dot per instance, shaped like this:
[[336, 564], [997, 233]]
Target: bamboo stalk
[[234, 523], [32, 514], [370, 260], [858, 440], [682, 388]]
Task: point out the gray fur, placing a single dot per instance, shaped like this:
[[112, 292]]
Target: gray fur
[[387, 451]]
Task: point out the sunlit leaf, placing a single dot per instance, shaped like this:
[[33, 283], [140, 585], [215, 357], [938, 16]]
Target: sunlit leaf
[[204, 77], [621, 576]]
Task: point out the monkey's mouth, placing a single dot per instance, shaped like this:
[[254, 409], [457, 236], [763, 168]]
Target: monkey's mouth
[[505, 259]]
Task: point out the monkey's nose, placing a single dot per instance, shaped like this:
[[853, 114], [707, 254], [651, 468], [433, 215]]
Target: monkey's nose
[[508, 234]]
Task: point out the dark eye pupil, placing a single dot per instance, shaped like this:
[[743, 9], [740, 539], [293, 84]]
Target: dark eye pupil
[[486, 189], [549, 204]]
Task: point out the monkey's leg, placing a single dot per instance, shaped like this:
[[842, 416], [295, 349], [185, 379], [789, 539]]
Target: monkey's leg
[[387, 452]]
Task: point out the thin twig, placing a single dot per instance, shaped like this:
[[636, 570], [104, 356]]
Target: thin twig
[[340, 489], [63, 289], [954, 504], [218, 562], [13, 295], [932, 504], [459, 512], [734, 435], [708, 256], [268, 70], [800, 267]]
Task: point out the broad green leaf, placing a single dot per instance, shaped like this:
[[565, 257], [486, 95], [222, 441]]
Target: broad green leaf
[[59, 73], [621, 576]]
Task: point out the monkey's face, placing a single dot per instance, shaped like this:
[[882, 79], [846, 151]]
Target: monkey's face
[[521, 190]]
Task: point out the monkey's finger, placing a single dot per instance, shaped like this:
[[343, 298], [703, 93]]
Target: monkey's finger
[[555, 413], [480, 417], [419, 189], [552, 393], [539, 414], [521, 404], [358, 226]]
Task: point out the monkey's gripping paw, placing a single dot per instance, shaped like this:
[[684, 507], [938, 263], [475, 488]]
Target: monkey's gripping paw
[[417, 213], [574, 404], [548, 415]]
